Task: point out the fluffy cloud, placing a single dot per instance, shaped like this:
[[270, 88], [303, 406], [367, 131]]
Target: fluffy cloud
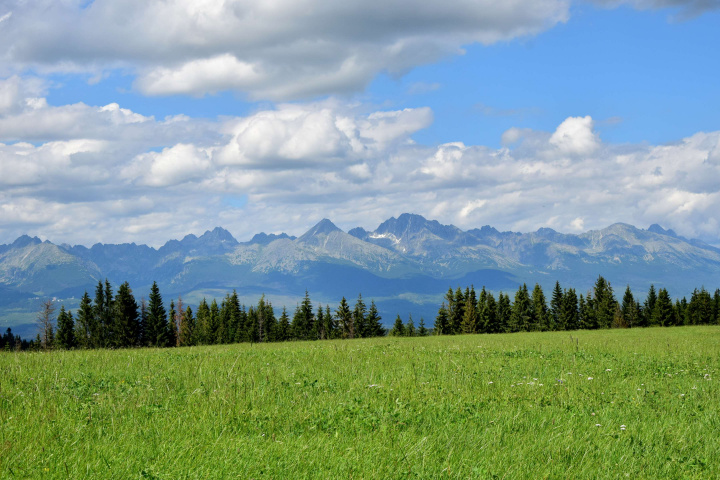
[[108, 174], [274, 50]]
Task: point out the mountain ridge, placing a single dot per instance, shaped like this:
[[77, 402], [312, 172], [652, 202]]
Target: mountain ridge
[[401, 263]]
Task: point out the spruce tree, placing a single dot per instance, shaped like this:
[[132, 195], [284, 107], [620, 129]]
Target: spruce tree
[[187, 329], [469, 323], [126, 321], [373, 322], [99, 327], [556, 303], [522, 311], [214, 325], [540, 316], [604, 303], [398, 329], [649, 307], [171, 335], [202, 324], [83, 326], [663, 314], [358, 316], [345, 320], [504, 311], [331, 326], [441, 321], [157, 325], [283, 331], [489, 315], [410, 330], [422, 331], [629, 308], [65, 337], [570, 314]]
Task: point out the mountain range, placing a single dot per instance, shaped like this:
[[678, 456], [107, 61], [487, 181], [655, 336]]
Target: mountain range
[[405, 265]]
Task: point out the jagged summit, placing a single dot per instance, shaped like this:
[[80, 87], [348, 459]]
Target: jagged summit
[[655, 228], [263, 238], [323, 227], [25, 241]]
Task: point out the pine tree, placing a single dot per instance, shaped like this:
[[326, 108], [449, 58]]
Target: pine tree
[[604, 303], [410, 327], [504, 312], [344, 319], [422, 331], [143, 322], [283, 331], [469, 323], [649, 307], [522, 311], [202, 324], [398, 329], [157, 326], [458, 312], [126, 321], [663, 313], [100, 325], [171, 337], [331, 326], [303, 324], [556, 303], [585, 315], [214, 325], [629, 310], [441, 321], [373, 322], [540, 314], [489, 315], [570, 314], [187, 329], [358, 317], [65, 337], [83, 326]]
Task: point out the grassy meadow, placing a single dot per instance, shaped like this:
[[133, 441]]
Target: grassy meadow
[[641, 403]]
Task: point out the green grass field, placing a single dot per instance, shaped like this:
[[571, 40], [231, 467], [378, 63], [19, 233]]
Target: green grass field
[[642, 403]]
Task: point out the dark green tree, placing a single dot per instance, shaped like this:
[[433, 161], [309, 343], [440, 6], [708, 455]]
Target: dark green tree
[[187, 333], [171, 335], [570, 314], [84, 324], [283, 330], [556, 303], [663, 314], [441, 321], [398, 329], [358, 318], [126, 320], [373, 321], [649, 307], [422, 330], [410, 330], [157, 325], [65, 337], [345, 320], [540, 313], [521, 317]]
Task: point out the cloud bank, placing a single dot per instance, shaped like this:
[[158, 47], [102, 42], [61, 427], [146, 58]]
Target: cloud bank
[[270, 50], [108, 174]]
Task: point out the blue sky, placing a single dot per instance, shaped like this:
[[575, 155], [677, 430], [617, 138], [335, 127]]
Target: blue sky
[[140, 121]]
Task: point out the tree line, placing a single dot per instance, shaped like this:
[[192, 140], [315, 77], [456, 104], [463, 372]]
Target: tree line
[[114, 319], [469, 312]]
